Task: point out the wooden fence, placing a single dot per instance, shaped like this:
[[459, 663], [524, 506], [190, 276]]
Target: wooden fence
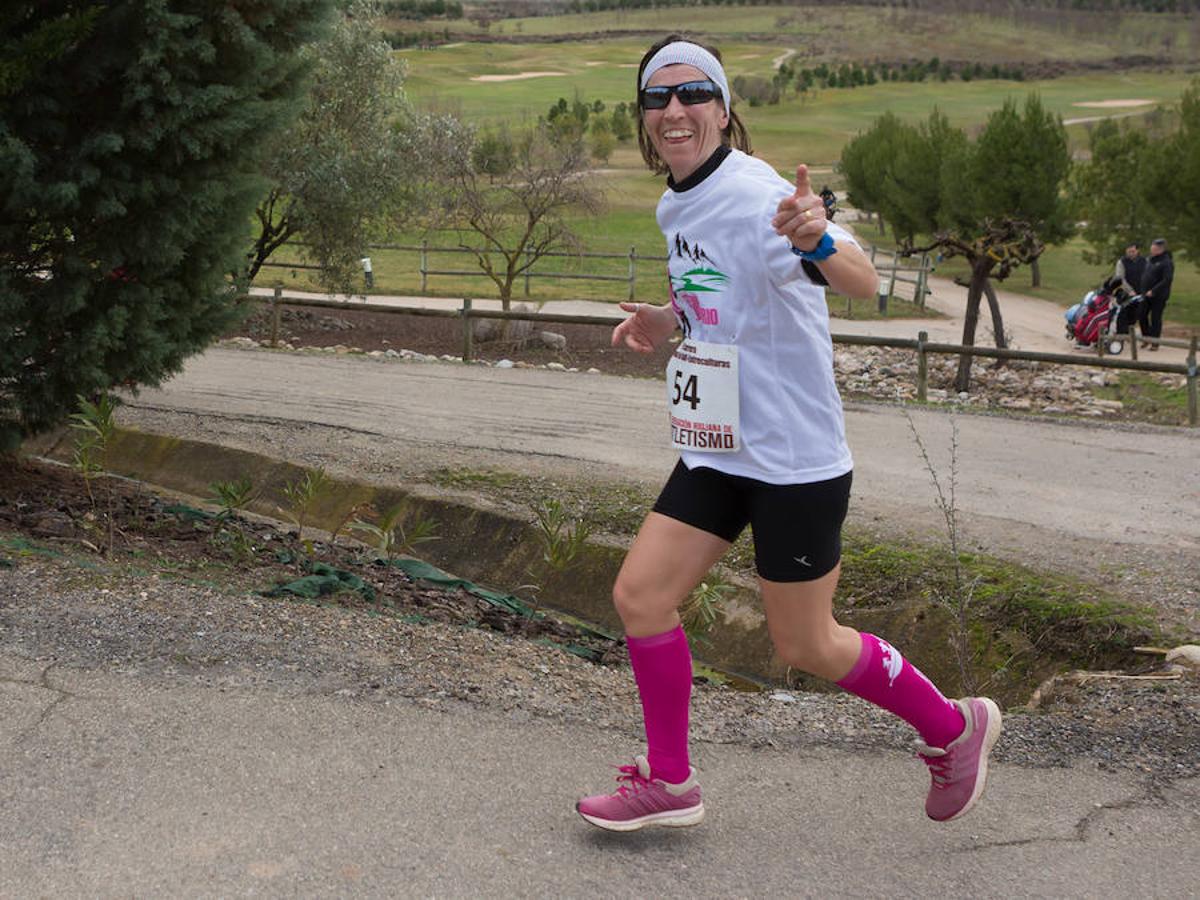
[[891, 274], [921, 345]]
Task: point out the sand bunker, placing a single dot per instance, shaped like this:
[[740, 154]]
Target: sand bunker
[[519, 77], [1112, 104]]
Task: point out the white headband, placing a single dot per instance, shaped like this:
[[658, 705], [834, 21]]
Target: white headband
[[688, 54]]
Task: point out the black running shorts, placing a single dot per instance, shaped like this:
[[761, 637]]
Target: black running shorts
[[797, 527]]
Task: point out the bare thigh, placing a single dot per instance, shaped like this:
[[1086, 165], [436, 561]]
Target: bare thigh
[[667, 560]]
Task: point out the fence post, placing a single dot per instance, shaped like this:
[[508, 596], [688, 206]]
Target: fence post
[[849, 307], [275, 299], [922, 367], [466, 319], [424, 264], [1193, 414], [526, 271], [883, 297], [873, 249], [632, 270], [1133, 341]]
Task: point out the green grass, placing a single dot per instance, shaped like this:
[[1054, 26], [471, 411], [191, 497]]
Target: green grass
[[1150, 398], [812, 129]]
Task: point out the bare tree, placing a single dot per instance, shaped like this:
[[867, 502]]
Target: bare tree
[[521, 215], [992, 255]]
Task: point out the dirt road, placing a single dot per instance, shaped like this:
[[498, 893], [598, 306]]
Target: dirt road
[[1076, 496]]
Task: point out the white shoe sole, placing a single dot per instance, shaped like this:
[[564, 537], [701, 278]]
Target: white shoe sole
[[674, 819]]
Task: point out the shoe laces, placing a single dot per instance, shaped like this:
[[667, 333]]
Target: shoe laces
[[941, 765], [630, 780]]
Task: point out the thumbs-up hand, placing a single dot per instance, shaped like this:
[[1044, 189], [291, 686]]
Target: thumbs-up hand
[[801, 217]]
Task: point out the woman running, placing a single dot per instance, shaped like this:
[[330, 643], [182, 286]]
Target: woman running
[[757, 419]]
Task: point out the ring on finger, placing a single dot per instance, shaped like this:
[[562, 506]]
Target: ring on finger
[[808, 214]]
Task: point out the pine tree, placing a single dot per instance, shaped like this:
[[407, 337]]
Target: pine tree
[[1110, 192], [1021, 166], [1176, 187], [128, 138]]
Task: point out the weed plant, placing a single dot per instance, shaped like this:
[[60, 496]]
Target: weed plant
[[301, 496], [94, 428], [389, 536]]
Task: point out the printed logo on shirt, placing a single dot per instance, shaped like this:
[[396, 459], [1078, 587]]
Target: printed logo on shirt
[[704, 278], [694, 253]]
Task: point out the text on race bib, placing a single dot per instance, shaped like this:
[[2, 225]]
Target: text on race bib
[[702, 396]]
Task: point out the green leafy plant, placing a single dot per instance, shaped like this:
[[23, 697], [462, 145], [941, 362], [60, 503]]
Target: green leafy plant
[[302, 495], [94, 428], [562, 538], [231, 497], [701, 609], [389, 536]]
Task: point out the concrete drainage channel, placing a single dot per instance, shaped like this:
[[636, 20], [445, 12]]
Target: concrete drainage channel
[[486, 546], [497, 550]]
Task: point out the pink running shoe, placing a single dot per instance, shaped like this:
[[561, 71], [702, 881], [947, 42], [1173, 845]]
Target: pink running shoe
[[642, 801], [960, 771]]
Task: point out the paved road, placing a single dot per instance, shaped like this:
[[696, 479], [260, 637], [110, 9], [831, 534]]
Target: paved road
[[1017, 478], [137, 785]]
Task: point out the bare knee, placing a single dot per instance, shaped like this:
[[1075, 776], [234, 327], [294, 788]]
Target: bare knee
[[643, 610]]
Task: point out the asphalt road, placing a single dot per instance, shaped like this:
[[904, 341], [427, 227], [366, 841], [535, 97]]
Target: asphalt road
[[133, 785]]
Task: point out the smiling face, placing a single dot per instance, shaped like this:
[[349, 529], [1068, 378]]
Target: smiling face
[[684, 136]]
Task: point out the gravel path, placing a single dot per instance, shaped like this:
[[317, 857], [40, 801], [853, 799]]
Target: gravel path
[[82, 613]]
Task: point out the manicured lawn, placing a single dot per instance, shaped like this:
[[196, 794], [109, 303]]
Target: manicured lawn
[[810, 129]]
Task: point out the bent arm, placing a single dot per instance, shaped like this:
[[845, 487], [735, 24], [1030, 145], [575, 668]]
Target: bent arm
[[850, 271]]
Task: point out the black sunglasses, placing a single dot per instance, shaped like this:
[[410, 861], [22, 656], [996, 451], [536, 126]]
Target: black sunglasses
[[689, 93]]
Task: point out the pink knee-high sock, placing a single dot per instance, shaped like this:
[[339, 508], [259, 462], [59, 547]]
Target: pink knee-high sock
[[662, 667], [887, 679]]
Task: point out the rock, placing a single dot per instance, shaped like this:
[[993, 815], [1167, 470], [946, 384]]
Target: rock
[[504, 364], [1109, 404], [1016, 403], [518, 331], [556, 366], [1187, 654], [552, 340], [246, 342], [783, 697], [391, 354], [593, 371]]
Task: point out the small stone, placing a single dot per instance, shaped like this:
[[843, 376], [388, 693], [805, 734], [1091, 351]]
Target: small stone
[[552, 340], [504, 364], [556, 366]]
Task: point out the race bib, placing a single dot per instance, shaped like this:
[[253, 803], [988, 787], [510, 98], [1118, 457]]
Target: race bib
[[702, 395]]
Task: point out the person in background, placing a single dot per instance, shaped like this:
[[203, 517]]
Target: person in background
[[1156, 290], [1130, 269]]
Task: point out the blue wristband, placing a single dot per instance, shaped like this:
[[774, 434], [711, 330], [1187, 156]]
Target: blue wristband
[[823, 250]]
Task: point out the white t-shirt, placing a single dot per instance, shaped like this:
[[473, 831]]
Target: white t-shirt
[[735, 281]]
